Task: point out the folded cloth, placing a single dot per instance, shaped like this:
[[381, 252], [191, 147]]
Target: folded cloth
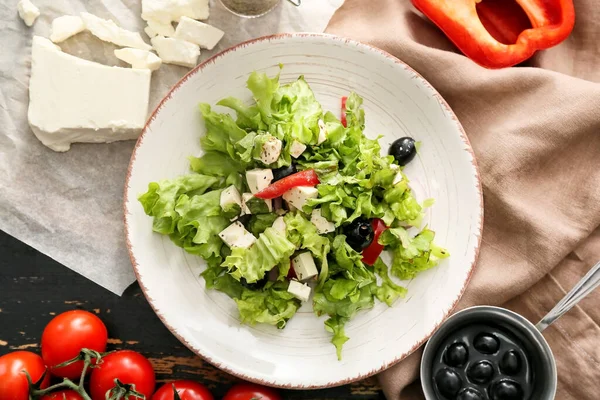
[[535, 130]]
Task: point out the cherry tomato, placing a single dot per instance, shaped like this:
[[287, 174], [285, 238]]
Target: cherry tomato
[[187, 390], [65, 336], [371, 253], [13, 381], [251, 391], [308, 177], [343, 118], [129, 367], [62, 395]]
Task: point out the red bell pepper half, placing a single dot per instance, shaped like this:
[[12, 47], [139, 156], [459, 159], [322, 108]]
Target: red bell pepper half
[[343, 116], [501, 33], [372, 253], [308, 177]]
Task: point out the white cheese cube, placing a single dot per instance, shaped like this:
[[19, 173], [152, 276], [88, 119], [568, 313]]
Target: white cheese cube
[[271, 150], [246, 197], [66, 26], [161, 28], [150, 32], [258, 179], [173, 10], [28, 11], [75, 100], [279, 225], [175, 51], [299, 290], [204, 35], [141, 59], [229, 197], [320, 222], [304, 266], [322, 132], [297, 148], [235, 235], [299, 195], [108, 31]]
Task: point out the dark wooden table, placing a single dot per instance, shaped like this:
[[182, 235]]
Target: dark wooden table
[[34, 288]]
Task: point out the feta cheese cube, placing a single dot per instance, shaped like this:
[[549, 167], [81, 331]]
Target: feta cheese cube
[[175, 51], [253, 205], [279, 225], [141, 59], [204, 35], [322, 132], [150, 32], [298, 196], [173, 10], [297, 148], [245, 198], [66, 26], [299, 290], [320, 222], [28, 11], [230, 197], [161, 28], [235, 235], [271, 150], [304, 266], [108, 31], [258, 179]]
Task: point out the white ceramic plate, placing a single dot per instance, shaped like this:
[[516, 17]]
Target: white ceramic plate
[[398, 102]]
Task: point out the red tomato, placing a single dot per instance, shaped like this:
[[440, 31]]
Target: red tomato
[[129, 367], [187, 390], [66, 335], [372, 252], [13, 381], [250, 391], [62, 395], [308, 177], [343, 118]]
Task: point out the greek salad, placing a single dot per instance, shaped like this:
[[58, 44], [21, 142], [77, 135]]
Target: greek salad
[[289, 204]]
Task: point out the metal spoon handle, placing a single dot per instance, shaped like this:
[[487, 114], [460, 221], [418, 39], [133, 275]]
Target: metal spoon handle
[[584, 287]]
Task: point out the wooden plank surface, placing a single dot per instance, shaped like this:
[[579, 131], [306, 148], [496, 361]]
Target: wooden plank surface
[[34, 288]]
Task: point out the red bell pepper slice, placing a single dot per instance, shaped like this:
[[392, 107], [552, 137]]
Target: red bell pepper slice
[[371, 253], [343, 117], [481, 29], [308, 177]]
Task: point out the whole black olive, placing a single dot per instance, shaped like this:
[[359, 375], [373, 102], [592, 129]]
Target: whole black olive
[[280, 173], [255, 285], [403, 150], [486, 343], [456, 355], [448, 382], [469, 394], [511, 362], [481, 372], [506, 390], [359, 234]]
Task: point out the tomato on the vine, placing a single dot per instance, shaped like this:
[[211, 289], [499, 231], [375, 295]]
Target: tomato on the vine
[[13, 381], [62, 395], [251, 391], [129, 367], [187, 390], [65, 336]]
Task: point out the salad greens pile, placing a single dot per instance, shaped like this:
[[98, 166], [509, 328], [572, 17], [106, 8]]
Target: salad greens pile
[[356, 183]]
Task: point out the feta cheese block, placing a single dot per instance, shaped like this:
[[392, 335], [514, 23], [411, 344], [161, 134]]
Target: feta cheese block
[[258, 179], [107, 30], [75, 100], [142, 59], [150, 32], [235, 235], [66, 26], [299, 195], [230, 197], [297, 148], [161, 28], [320, 222], [279, 225], [175, 51], [27, 11], [271, 150], [173, 10], [299, 290], [304, 266], [204, 35]]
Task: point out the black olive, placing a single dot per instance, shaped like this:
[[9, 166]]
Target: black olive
[[481, 372], [403, 150], [280, 173], [244, 219], [255, 285], [469, 394], [448, 382], [511, 362], [506, 390], [486, 343], [359, 234], [456, 355]]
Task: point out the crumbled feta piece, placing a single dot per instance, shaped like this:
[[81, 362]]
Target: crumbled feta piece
[[258, 179], [108, 31], [161, 28], [271, 150], [322, 132], [204, 35], [299, 290], [141, 59], [320, 222], [66, 26], [304, 266], [150, 32], [297, 148], [175, 51], [279, 225], [28, 11], [299, 195], [235, 235], [173, 10], [398, 178]]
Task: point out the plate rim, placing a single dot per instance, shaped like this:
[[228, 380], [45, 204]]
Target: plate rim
[[213, 59]]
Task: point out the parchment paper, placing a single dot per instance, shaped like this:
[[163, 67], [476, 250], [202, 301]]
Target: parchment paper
[[69, 205]]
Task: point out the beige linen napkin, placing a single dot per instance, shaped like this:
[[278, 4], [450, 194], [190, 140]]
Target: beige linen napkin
[[536, 133]]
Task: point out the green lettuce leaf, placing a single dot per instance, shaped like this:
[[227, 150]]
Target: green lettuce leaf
[[335, 325], [274, 305], [260, 222]]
